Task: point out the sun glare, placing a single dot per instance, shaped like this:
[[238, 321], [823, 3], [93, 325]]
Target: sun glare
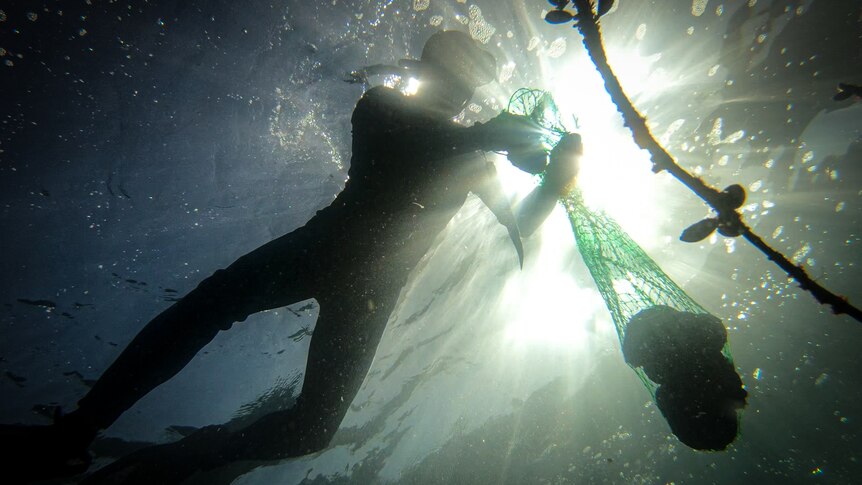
[[410, 87], [615, 177], [564, 310]]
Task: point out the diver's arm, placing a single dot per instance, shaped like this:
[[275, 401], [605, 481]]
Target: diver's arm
[[506, 132], [385, 115], [558, 181]]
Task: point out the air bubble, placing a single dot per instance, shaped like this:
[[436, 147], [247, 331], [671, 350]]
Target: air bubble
[[730, 245], [557, 47], [735, 136], [479, 29], [801, 253], [507, 71]]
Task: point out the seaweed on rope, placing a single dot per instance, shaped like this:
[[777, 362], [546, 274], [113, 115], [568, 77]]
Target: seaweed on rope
[[725, 203]]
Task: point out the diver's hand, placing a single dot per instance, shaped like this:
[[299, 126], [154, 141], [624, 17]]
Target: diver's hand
[[520, 137], [508, 132], [564, 164]]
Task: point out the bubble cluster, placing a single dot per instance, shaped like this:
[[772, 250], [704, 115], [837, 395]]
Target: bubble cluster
[[557, 47], [479, 29]]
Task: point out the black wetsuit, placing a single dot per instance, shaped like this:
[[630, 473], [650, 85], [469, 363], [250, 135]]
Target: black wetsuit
[[354, 257]]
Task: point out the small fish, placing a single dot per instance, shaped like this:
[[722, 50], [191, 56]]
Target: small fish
[[845, 91], [307, 306], [46, 304], [18, 380], [300, 334]]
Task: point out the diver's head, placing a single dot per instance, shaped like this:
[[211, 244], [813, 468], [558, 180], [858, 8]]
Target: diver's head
[[452, 66]]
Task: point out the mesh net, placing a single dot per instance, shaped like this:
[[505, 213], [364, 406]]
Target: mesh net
[[539, 106], [628, 280]]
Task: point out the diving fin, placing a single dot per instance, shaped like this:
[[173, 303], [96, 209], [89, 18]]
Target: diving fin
[[490, 192]]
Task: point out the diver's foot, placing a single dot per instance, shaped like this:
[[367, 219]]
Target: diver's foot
[[32, 453], [167, 464]]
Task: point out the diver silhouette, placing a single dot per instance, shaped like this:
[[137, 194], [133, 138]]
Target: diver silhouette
[[406, 181]]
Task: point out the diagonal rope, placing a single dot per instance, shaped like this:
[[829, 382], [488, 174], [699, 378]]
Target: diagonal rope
[[721, 202]]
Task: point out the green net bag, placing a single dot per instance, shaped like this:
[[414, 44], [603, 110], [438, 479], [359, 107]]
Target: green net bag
[[675, 346]]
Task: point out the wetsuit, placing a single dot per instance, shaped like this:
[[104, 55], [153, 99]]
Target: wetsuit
[[354, 257]]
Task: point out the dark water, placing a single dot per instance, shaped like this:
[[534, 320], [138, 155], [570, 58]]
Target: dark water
[[144, 145]]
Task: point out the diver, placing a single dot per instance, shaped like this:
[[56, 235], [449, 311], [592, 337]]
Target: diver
[[409, 174]]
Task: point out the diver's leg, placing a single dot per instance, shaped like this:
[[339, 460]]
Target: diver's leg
[[341, 352], [269, 277], [342, 348], [274, 275]]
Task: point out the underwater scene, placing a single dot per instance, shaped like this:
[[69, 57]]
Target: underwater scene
[[431, 242]]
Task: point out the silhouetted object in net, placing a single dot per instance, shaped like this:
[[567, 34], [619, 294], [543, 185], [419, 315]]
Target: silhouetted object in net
[[698, 391]]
